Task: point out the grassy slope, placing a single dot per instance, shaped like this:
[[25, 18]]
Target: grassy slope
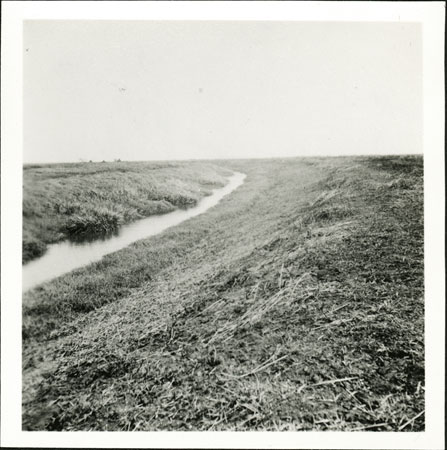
[[250, 316], [70, 200]]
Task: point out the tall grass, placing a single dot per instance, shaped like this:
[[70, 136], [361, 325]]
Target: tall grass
[[63, 201], [101, 221]]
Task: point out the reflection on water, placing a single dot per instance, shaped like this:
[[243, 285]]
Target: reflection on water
[[65, 256]]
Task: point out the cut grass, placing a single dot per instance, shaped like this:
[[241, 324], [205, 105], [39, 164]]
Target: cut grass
[[84, 200], [295, 304]]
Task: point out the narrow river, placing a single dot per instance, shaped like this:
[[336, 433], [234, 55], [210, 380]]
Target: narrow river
[[65, 256]]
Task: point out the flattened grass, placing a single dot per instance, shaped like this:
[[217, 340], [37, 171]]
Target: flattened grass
[[295, 304]]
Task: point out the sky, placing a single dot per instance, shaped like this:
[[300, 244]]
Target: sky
[[144, 90]]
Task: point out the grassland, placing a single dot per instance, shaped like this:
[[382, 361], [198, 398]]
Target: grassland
[[79, 201], [297, 303]]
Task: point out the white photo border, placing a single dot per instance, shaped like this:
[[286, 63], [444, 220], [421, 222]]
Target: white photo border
[[429, 14]]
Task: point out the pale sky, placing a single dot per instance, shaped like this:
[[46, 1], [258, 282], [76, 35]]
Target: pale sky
[[146, 90]]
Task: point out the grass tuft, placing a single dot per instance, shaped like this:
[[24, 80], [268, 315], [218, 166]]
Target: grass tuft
[[101, 221]]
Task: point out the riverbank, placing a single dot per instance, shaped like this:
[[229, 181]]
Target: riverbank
[[64, 257], [295, 304], [79, 201]]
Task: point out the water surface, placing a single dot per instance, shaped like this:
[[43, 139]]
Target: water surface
[[66, 256]]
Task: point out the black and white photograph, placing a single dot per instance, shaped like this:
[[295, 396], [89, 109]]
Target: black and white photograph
[[223, 222]]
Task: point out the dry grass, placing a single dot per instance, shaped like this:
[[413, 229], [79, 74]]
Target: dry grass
[[296, 304]]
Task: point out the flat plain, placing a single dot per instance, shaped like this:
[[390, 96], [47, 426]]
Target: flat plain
[[296, 303]]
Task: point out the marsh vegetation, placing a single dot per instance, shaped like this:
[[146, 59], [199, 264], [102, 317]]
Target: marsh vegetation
[[87, 200], [297, 303]]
